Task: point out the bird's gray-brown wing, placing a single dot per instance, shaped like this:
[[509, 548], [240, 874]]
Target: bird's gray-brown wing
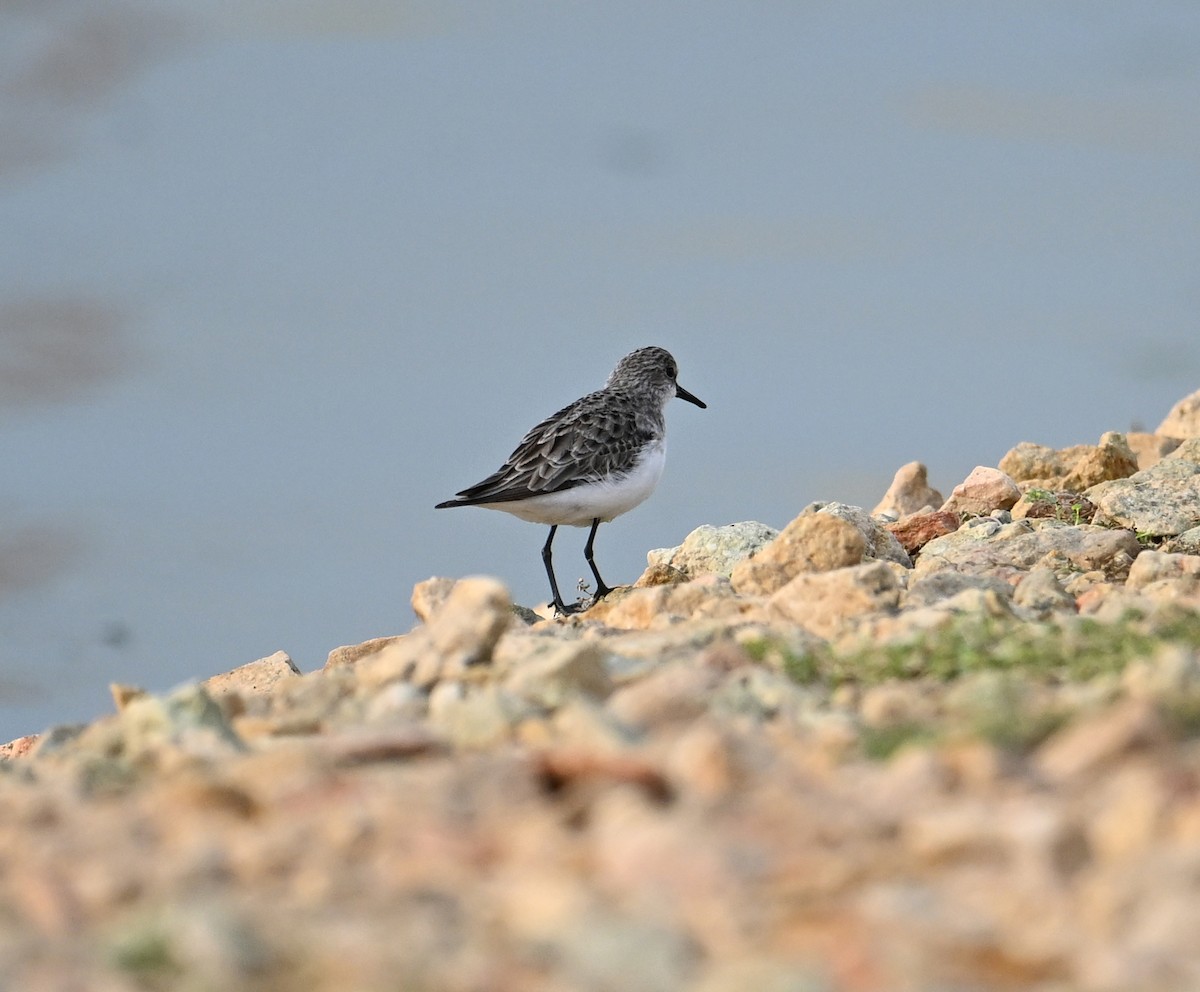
[[592, 438]]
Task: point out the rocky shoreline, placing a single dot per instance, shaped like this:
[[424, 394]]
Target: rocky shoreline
[[946, 744]]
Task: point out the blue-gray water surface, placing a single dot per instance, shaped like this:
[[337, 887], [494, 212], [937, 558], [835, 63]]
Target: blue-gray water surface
[[276, 277]]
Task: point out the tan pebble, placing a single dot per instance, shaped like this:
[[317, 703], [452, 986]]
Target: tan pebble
[[46, 898], [813, 542], [349, 654], [466, 629], [1132, 807], [259, 677], [824, 603], [1156, 566], [960, 832], [250, 727], [676, 692], [975, 763], [1094, 742], [984, 490], [1183, 421], [430, 596], [834, 735], [909, 492], [893, 703], [1150, 449], [366, 747], [661, 574], [534, 732], [554, 672], [663, 605], [702, 760], [123, 695], [584, 723]]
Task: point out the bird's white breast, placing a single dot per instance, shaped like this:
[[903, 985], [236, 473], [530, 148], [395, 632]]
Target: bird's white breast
[[605, 498]]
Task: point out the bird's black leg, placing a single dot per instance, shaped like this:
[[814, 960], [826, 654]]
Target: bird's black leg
[[559, 605], [601, 589]]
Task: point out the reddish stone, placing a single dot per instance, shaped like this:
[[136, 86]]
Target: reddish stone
[[18, 748], [916, 531]]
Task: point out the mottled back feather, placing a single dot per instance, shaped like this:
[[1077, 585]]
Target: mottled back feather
[[594, 437], [600, 436]]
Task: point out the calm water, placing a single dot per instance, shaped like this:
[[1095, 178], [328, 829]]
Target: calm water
[[277, 277]]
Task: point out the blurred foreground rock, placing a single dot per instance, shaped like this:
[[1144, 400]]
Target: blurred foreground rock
[[955, 746]]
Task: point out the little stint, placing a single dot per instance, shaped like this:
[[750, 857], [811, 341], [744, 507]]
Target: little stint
[[595, 459]]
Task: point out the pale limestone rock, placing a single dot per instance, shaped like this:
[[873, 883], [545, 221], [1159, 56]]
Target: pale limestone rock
[[760, 973], [260, 677], [1157, 566], [984, 490], [969, 831], [460, 636], [1090, 744], [1183, 593], [774, 646], [1073, 469], [1184, 419], [185, 721], [559, 671], [660, 575], [474, 716], [1079, 584], [429, 596], [349, 654], [1161, 501], [912, 623], [1131, 808], [583, 723], [811, 543], [1040, 592], [1171, 673], [636, 653], [893, 703], [396, 702], [708, 597], [1108, 601], [1187, 543], [1150, 449], [881, 543], [909, 493], [762, 694], [518, 644], [1007, 550], [465, 630], [930, 588], [703, 760], [833, 736], [714, 550], [826, 602], [349, 748], [676, 692], [123, 695], [393, 658]]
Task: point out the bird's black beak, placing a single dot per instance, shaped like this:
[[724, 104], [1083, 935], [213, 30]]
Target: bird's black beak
[[683, 394]]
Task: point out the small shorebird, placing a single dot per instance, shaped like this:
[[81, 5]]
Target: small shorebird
[[595, 459]]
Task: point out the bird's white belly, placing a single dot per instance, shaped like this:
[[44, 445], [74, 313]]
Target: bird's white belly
[[605, 499]]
